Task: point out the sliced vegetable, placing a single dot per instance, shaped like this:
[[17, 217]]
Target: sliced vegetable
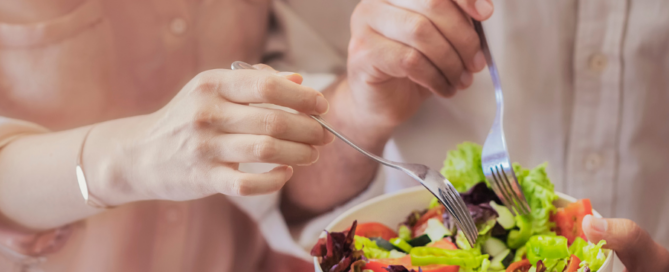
[[404, 233], [494, 246], [373, 251], [574, 263], [590, 254], [436, 230], [569, 219], [373, 229], [519, 266], [401, 244], [421, 224], [502, 260], [420, 241], [468, 259], [518, 238], [463, 166], [521, 254], [443, 243], [546, 247], [382, 243], [504, 216]]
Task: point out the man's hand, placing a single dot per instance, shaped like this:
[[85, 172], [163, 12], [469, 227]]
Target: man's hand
[[634, 246], [403, 50]]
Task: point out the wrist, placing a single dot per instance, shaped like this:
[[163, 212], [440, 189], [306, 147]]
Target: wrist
[[354, 119], [107, 162]]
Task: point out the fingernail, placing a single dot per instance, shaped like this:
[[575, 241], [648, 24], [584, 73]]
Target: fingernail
[[286, 73], [314, 156], [483, 7], [597, 224], [328, 138], [466, 79], [322, 105], [479, 61]]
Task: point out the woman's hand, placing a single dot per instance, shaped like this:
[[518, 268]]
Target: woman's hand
[[633, 245], [192, 147], [403, 50]]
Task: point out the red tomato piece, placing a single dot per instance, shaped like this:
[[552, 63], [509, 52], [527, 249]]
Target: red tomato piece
[[574, 263], [569, 219], [444, 244], [379, 265], [420, 226], [519, 266], [373, 229]]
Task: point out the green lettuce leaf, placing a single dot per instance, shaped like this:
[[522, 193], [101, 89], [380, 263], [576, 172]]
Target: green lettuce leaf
[[463, 166], [540, 194], [589, 253]]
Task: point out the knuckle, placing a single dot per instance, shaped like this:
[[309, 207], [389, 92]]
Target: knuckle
[[201, 146], [419, 26], [274, 124], [265, 149], [412, 59], [471, 40], [203, 118], [265, 87], [241, 186], [206, 83]]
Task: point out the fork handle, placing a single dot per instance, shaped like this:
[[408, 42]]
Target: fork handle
[[346, 140]]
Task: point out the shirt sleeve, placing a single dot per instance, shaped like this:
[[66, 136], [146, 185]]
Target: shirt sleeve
[[17, 245]]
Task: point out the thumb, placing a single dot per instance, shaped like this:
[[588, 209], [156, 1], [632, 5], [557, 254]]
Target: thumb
[[294, 77], [633, 245], [479, 10]]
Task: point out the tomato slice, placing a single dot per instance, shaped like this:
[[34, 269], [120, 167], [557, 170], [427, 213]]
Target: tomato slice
[[574, 263], [569, 219], [519, 266], [443, 243], [379, 265], [420, 226], [373, 229]]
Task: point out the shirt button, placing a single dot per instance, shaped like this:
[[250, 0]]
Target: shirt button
[[172, 215], [597, 62], [593, 161], [178, 26]]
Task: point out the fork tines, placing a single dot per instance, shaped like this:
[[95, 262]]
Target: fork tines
[[461, 213], [505, 185]]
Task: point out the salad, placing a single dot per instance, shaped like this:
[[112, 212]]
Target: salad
[[546, 240]]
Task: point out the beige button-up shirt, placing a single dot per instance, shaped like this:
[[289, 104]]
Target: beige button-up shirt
[[586, 87]]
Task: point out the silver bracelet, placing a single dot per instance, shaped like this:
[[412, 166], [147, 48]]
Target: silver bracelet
[[89, 199]]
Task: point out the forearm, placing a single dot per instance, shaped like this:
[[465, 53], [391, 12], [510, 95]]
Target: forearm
[[38, 185], [341, 172]]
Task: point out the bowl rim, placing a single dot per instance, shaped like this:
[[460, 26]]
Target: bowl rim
[[410, 190]]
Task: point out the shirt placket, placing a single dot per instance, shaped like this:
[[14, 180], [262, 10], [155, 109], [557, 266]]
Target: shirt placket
[[592, 147]]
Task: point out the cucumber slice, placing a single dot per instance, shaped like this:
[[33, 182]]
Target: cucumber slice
[[400, 244], [420, 241], [504, 218], [382, 243], [436, 230], [493, 246], [502, 260]]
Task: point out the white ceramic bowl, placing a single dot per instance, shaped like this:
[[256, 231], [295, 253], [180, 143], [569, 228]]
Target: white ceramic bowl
[[391, 209]]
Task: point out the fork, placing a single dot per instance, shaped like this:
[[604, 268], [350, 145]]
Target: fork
[[495, 156], [439, 186]]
